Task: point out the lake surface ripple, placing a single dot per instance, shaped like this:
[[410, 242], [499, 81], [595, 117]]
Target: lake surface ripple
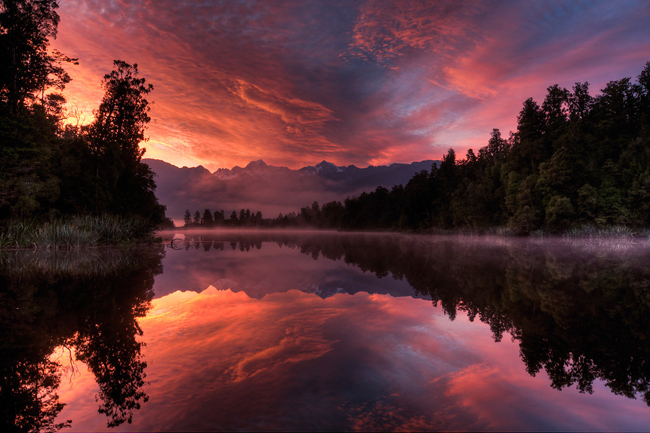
[[327, 331]]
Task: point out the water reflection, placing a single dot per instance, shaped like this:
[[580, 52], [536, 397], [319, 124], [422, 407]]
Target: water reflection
[[326, 331], [579, 309], [86, 303]]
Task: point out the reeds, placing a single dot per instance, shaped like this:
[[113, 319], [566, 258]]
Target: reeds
[[620, 232], [74, 232]]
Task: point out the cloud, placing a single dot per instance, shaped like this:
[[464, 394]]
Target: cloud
[[368, 82], [386, 30]]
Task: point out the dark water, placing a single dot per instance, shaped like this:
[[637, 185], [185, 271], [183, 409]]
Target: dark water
[[307, 331]]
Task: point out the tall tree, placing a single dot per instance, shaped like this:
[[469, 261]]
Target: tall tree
[[28, 131], [27, 69], [124, 183]]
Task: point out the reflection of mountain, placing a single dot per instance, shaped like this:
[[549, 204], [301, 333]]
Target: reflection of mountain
[[580, 313], [86, 302], [270, 263], [270, 189]]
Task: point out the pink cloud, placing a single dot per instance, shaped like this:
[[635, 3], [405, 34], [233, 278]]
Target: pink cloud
[[370, 83]]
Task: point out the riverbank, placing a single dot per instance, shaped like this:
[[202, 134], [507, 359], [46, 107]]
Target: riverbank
[[586, 231], [75, 232]]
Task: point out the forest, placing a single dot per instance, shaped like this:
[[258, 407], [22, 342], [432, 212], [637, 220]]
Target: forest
[[58, 178], [577, 162]]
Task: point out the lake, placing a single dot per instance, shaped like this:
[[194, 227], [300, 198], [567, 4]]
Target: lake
[[328, 331]]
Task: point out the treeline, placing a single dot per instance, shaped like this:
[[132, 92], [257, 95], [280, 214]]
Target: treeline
[[575, 160], [327, 217], [49, 167]]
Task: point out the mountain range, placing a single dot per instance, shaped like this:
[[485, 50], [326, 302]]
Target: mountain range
[[270, 189]]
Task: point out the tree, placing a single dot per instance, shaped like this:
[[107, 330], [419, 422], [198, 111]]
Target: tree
[[555, 106], [219, 217], [187, 218], [530, 147], [197, 218], [123, 115], [26, 66], [207, 218], [580, 101], [28, 131], [124, 184]]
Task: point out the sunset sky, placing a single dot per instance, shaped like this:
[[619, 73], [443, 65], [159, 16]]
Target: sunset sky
[[352, 82]]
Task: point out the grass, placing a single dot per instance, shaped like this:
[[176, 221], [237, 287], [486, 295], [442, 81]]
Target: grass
[[610, 232], [74, 232]]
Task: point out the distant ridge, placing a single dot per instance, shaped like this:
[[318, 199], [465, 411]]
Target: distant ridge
[[270, 189]]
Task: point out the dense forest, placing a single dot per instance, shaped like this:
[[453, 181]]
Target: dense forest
[[576, 161], [52, 169]]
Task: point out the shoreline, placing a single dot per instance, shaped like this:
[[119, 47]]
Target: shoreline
[[73, 236]]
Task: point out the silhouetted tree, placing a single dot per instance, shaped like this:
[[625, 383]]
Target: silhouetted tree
[[124, 184], [207, 218], [219, 217], [27, 67]]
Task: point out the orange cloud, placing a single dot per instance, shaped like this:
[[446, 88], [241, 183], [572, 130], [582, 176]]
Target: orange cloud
[[364, 83]]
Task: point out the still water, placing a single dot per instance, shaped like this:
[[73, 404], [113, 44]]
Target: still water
[[328, 331]]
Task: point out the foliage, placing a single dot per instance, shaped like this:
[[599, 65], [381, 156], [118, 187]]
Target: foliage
[[574, 160], [26, 67], [49, 170], [75, 232]]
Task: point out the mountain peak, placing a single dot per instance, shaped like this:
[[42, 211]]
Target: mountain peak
[[327, 167], [257, 164]]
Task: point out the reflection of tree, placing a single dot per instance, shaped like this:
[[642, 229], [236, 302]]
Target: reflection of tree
[[28, 397], [91, 308], [579, 314]]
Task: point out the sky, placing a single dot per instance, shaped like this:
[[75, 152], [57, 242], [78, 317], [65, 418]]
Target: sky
[[365, 82]]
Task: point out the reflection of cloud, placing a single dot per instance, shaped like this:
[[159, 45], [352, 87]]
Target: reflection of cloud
[[219, 360], [290, 349]]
